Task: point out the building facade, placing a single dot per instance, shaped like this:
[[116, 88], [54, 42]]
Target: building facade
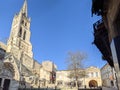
[[108, 76], [48, 73], [91, 79], [110, 12]]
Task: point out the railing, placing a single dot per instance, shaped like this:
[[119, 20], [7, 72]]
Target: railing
[[98, 24]]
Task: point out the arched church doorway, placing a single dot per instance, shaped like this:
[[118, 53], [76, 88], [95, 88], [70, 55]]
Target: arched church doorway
[[6, 84], [93, 83], [6, 75]]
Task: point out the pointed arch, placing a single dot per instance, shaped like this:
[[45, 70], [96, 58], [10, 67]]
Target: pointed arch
[[24, 36], [20, 32], [12, 65], [22, 21]]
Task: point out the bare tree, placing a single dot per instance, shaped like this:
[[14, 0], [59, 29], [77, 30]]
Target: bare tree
[[75, 65]]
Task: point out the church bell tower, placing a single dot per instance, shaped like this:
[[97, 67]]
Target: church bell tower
[[19, 40]]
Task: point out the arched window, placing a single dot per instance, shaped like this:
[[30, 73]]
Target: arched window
[[22, 22], [24, 36], [20, 32], [25, 24]]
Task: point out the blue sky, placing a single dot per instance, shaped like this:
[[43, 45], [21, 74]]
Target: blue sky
[[57, 27]]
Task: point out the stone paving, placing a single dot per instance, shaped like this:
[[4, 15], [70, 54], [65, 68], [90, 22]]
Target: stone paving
[[66, 88], [105, 88]]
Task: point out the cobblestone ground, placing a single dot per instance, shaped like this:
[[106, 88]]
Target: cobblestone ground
[[105, 88], [66, 88]]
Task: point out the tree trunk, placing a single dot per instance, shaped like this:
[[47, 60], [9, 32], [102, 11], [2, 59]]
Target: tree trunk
[[76, 84], [84, 83]]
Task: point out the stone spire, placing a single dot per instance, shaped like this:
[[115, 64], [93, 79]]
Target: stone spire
[[24, 8]]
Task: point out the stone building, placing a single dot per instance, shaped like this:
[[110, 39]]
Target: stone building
[[62, 78], [18, 69], [48, 73], [108, 76], [110, 12], [18, 64], [92, 78]]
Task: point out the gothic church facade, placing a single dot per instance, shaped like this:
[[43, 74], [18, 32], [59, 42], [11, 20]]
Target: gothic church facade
[[19, 69]]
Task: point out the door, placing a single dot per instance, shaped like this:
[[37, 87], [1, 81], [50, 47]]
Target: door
[[6, 84], [0, 81]]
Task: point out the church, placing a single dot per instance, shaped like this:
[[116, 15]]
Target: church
[[18, 69]]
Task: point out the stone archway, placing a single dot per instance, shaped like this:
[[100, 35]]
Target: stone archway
[[93, 83], [10, 65], [14, 65]]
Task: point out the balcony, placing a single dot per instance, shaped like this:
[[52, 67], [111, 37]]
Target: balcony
[[101, 41]]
